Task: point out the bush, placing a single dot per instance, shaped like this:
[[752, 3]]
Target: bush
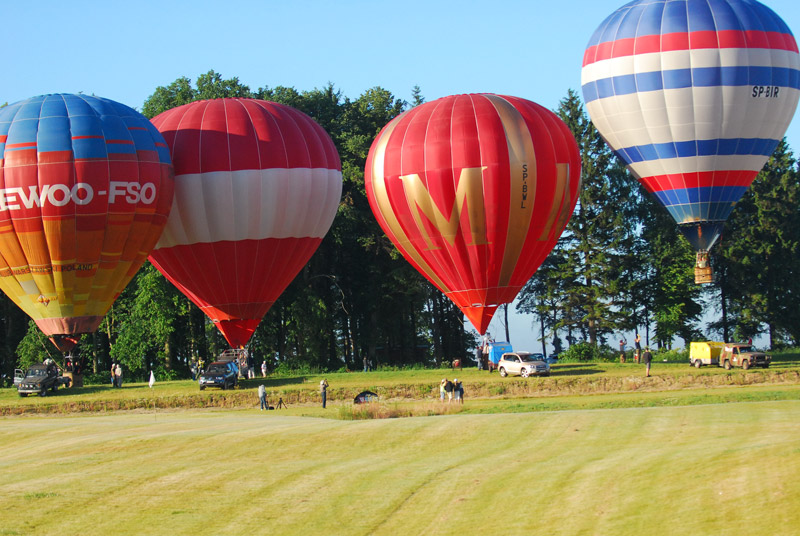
[[164, 374], [672, 356], [100, 378], [299, 369], [580, 352]]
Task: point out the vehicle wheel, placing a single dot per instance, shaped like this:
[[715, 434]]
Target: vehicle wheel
[[727, 365], [502, 372], [43, 392], [523, 372], [224, 386], [745, 364], [202, 387], [546, 374], [54, 388], [766, 366], [698, 363], [23, 395]]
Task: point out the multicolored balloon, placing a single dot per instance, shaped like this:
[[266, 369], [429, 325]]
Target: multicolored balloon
[[85, 189], [474, 190], [257, 185], [694, 95]]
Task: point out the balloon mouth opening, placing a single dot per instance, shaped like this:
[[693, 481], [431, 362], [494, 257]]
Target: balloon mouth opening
[[480, 315], [702, 235]]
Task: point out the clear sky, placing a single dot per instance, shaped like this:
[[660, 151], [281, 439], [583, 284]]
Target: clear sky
[[123, 51]]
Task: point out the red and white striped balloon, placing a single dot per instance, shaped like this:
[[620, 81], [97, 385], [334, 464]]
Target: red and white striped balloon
[[257, 185]]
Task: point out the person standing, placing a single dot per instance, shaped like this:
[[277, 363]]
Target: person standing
[[448, 388], [262, 396], [366, 363], [638, 342], [323, 390], [264, 369], [113, 374], [479, 357], [647, 357], [441, 389], [118, 374]]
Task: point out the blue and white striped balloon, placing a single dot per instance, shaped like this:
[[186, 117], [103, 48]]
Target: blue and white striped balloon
[[694, 95]]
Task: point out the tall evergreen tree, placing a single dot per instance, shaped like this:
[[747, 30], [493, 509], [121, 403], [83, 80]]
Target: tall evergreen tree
[[668, 272], [600, 234], [758, 255]]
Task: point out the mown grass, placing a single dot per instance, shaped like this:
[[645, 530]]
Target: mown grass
[[709, 469], [567, 379]]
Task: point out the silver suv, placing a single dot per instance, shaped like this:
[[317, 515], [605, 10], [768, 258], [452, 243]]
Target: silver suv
[[523, 363]]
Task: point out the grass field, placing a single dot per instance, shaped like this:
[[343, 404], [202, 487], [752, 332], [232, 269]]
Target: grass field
[[593, 449], [712, 469], [567, 380]]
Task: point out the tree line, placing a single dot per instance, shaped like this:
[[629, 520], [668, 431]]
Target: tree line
[[621, 265]]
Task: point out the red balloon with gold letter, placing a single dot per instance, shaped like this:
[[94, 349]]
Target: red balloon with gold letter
[[475, 190]]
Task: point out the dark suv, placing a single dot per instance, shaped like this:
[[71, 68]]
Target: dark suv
[[220, 374], [39, 379]]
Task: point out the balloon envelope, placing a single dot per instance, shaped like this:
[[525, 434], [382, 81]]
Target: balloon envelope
[[257, 186], [694, 95], [85, 190], [474, 190]]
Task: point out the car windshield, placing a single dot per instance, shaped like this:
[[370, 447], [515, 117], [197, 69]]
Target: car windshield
[[743, 349], [531, 357], [37, 372], [216, 370]]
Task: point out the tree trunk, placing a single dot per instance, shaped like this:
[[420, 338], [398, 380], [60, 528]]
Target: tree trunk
[[544, 340], [505, 312], [724, 303]]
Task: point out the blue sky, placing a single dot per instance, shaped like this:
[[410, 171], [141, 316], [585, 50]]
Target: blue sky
[[123, 51]]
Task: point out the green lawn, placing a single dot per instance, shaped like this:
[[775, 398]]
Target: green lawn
[[570, 379], [709, 469]]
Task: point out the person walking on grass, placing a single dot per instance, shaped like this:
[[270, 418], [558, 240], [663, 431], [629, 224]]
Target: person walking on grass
[[647, 357], [323, 390], [441, 389], [262, 396]]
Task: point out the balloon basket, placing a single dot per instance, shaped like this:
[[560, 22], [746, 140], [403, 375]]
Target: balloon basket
[[703, 275], [75, 379]]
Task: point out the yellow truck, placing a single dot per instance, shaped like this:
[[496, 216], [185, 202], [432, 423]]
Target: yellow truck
[[727, 354]]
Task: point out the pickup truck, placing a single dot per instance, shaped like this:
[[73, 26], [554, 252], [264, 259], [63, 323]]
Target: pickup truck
[[727, 354], [743, 355], [41, 378]]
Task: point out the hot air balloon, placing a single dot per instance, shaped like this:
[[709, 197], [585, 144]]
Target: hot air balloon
[[694, 95], [257, 185], [85, 189], [474, 190]]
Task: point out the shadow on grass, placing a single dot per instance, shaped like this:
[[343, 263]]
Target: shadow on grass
[[272, 382], [577, 369], [84, 390]]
